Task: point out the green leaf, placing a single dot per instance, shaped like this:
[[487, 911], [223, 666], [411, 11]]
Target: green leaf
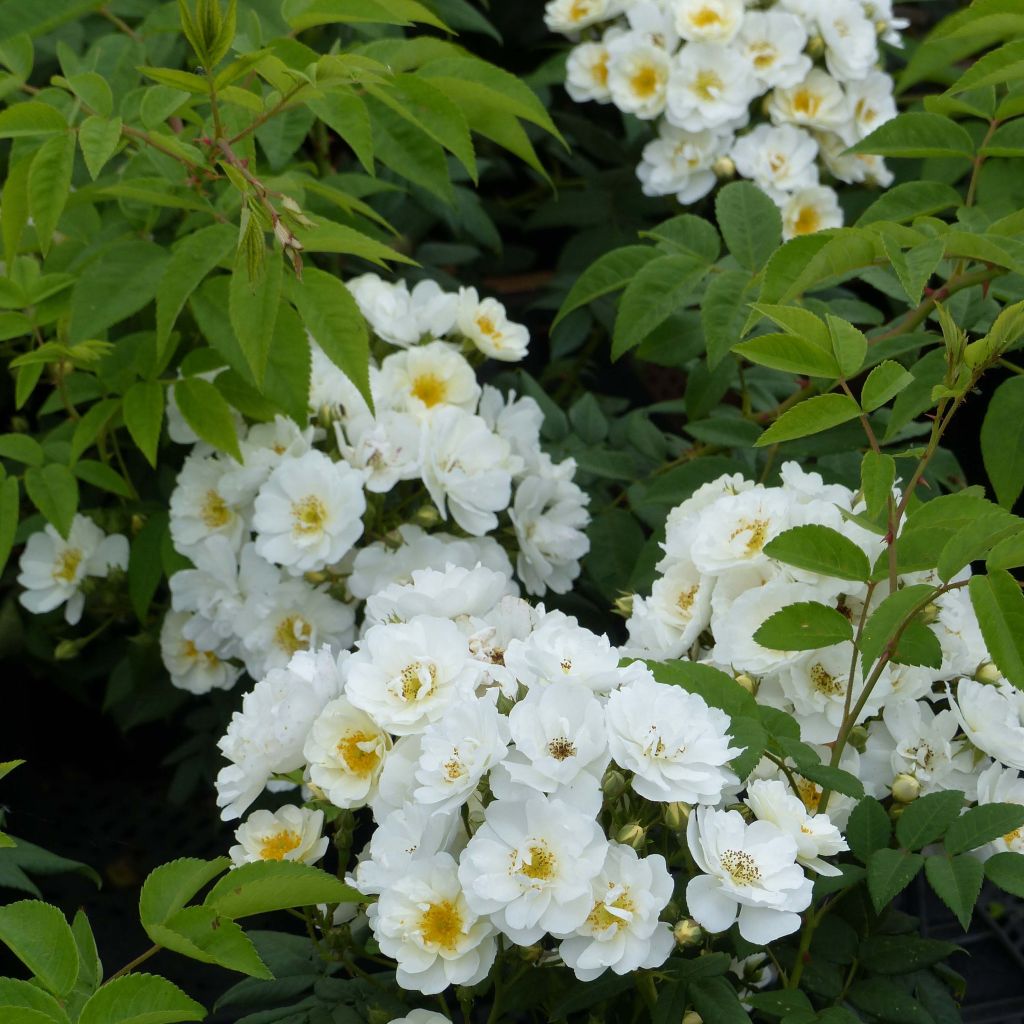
[[145, 564], [90, 425], [39, 936], [333, 12], [918, 645], [868, 829], [933, 523], [49, 184], [903, 954], [207, 413], [822, 550], [140, 999], [54, 491], [750, 223], [192, 259], [804, 626], [92, 89], [835, 258], [31, 118], [21, 448], [202, 934], [90, 969], [790, 354], [1007, 871], [884, 382], [836, 779], [925, 819], [848, 344], [688, 234], [884, 621], [1007, 553], [982, 824], [169, 887], [957, 882], [1002, 441], [999, 606], [99, 474], [23, 1002], [723, 312], [143, 416], [264, 886], [889, 873], [811, 416], [343, 110], [289, 366], [973, 541], [915, 267], [903, 203], [917, 133], [608, 273], [326, 236], [121, 280], [716, 1000], [716, 687], [657, 290], [9, 504], [1005, 64], [14, 203], [333, 318], [253, 308], [888, 1002]]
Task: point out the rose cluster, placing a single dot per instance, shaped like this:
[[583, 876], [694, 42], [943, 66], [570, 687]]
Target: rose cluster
[[775, 92], [316, 518], [513, 764], [958, 726]]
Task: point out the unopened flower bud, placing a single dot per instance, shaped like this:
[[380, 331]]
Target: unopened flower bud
[[988, 673], [929, 613], [137, 524], [531, 954], [632, 834], [19, 425], [692, 1017], [747, 682], [290, 205], [743, 810], [688, 933], [624, 605], [905, 788], [66, 650], [677, 814], [316, 576], [858, 738], [724, 168], [815, 46], [426, 515], [613, 785], [881, 27]]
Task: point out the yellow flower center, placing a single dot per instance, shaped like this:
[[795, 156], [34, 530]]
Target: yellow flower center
[[758, 530], [429, 389], [707, 85], [645, 81], [486, 325], [864, 113], [810, 794], [214, 511], [309, 514], [705, 17], [541, 864], [808, 220], [441, 925], [600, 70], [293, 634], [806, 102], [418, 680], [561, 748], [741, 866], [66, 565], [601, 917], [278, 845], [826, 683], [359, 752], [1012, 837], [765, 54], [685, 599]]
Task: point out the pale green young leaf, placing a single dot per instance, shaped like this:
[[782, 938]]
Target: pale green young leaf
[[608, 273], [848, 344], [804, 626], [140, 999], [252, 305], [1002, 441], [1005, 64], [822, 550], [999, 605], [957, 882], [31, 118], [206, 412], [202, 934], [184, 81], [40, 937], [6, 767], [799, 322], [343, 110], [914, 267], [327, 236], [333, 318], [750, 223], [169, 887], [92, 89], [265, 886], [926, 819], [723, 311], [193, 258], [221, 43], [1007, 330], [54, 491], [49, 183], [846, 251], [917, 134], [790, 354], [883, 383], [811, 416], [99, 138], [889, 873]]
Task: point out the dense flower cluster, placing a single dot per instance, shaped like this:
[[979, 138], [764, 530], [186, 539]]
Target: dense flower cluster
[[959, 726], [316, 518], [775, 92]]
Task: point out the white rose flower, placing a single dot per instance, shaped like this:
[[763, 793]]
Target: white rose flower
[[454, 593], [405, 675], [814, 834], [809, 210], [385, 447], [681, 163], [433, 309], [309, 513], [467, 469], [549, 514], [680, 521], [773, 43], [397, 781], [571, 15], [667, 623], [732, 531], [993, 718], [777, 158], [816, 102], [750, 873], [888, 27], [530, 865], [345, 751], [999, 785], [871, 103], [457, 751], [586, 73], [708, 21], [488, 327], [638, 75], [963, 647], [266, 736], [518, 421], [289, 833], [853, 168], [190, 667], [622, 930], [422, 379], [199, 508], [851, 42], [387, 308], [421, 1017], [676, 745], [710, 87], [52, 569], [263, 448], [512, 618], [424, 922]]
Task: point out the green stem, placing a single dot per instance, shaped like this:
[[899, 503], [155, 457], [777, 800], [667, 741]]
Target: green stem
[[129, 967]]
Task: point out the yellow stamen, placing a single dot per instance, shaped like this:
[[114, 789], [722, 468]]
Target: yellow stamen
[[430, 389], [214, 512], [359, 752], [66, 566], [441, 925], [808, 221], [293, 634], [309, 514], [541, 865], [741, 866], [276, 846]]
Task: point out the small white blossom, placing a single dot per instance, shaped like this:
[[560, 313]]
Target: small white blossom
[[191, 668], [429, 377], [586, 73], [488, 327], [993, 718], [638, 75], [710, 86], [200, 509], [773, 43], [809, 210], [816, 102], [289, 833]]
